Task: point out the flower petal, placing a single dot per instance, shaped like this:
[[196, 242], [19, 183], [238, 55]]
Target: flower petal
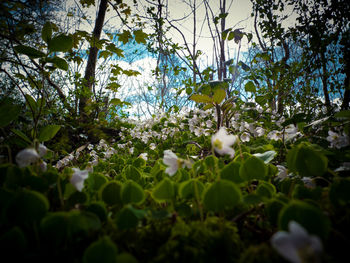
[[283, 243]]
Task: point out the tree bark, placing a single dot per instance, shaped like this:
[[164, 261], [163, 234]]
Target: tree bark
[[89, 77]]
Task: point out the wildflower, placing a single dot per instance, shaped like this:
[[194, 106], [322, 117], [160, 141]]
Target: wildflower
[[222, 142], [291, 131], [78, 178], [274, 135], [297, 245], [259, 131], [27, 157], [209, 123], [42, 150], [152, 146], [337, 141], [245, 137], [282, 172], [43, 166], [173, 162], [144, 156], [308, 182]]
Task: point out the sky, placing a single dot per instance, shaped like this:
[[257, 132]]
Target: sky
[[180, 13]]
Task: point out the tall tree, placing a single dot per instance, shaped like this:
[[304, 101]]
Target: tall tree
[[89, 77]]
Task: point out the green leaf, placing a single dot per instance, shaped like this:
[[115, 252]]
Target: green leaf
[[125, 36], [126, 258], [307, 215], [55, 228], [225, 33], [129, 217], [261, 100], [8, 112], [102, 250], [266, 156], [250, 87], [252, 199], [191, 189], [343, 114], [13, 242], [132, 173], [60, 43], [339, 193], [253, 168], [82, 223], [112, 47], [140, 36], [48, 132], [164, 191], [28, 207], [266, 189], [231, 36], [31, 103], [219, 95], [273, 208], [132, 193], [221, 195], [307, 161], [59, 62], [99, 209], [231, 172], [96, 180], [21, 135], [46, 32], [29, 51], [199, 98]]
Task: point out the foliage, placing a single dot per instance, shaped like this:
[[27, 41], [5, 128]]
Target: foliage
[[233, 179]]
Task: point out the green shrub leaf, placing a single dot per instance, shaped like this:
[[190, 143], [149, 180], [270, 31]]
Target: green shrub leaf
[[221, 195]]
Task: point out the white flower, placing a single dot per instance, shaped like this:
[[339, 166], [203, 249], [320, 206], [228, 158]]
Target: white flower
[[308, 182], [144, 156], [222, 142], [152, 146], [42, 150], [78, 178], [170, 159], [209, 123], [290, 132], [27, 157], [259, 131], [43, 166], [297, 245], [173, 162], [282, 172], [274, 135], [337, 141], [245, 137]]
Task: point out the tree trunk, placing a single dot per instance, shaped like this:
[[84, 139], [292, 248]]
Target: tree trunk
[[89, 77]]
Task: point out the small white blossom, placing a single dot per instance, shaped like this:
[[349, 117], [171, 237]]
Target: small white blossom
[[337, 140], [282, 172], [173, 162], [290, 132], [274, 135], [78, 178], [245, 137], [222, 142], [297, 245], [259, 131], [308, 182], [152, 146], [144, 156], [42, 150], [27, 157]]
